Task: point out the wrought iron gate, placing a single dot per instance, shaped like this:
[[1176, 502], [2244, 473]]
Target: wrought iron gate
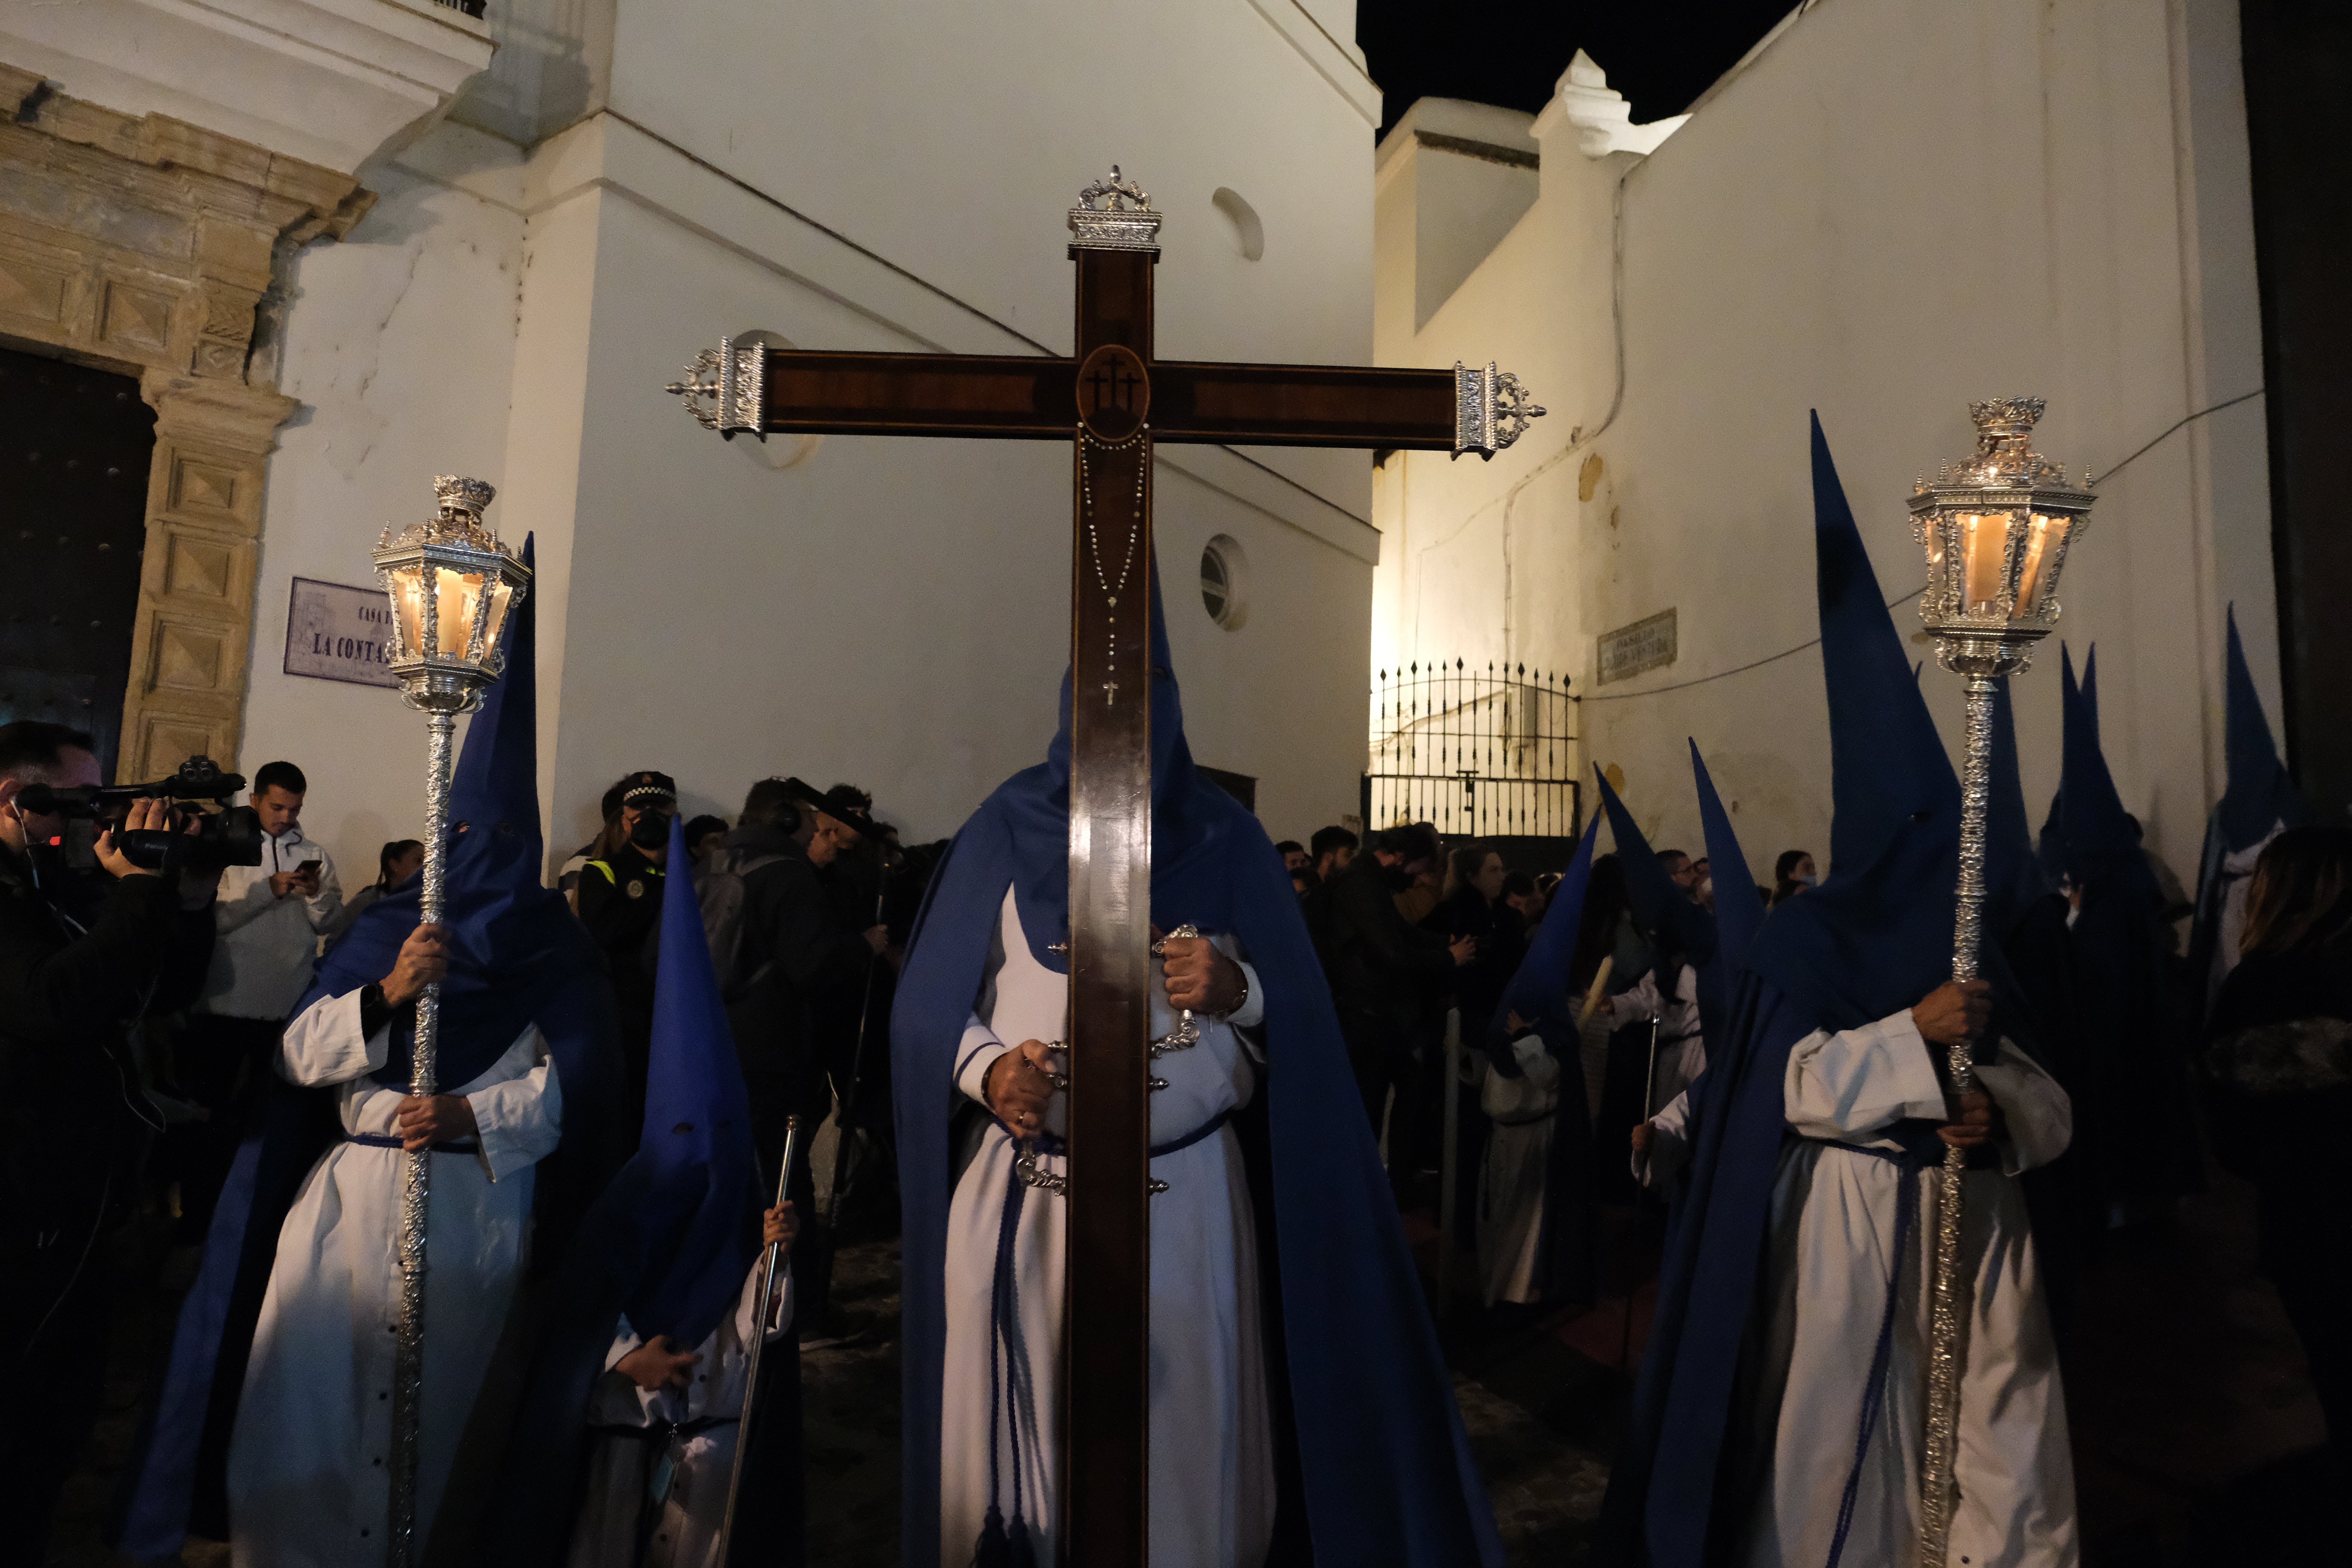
[[1479, 752]]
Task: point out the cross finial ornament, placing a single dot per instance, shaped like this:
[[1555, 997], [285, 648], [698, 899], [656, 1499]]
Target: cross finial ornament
[[1114, 215]]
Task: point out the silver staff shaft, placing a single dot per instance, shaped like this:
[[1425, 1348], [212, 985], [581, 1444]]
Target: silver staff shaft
[[1650, 1077], [850, 1093], [1640, 1191], [1945, 1348], [770, 1267], [417, 1166]]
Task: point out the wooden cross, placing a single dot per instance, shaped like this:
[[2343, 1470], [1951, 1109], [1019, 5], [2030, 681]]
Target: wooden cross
[[1113, 402]]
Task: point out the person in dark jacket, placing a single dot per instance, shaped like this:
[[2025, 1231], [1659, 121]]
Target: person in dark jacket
[[619, 903], [83, 957], [2278, 1063], [797, 964], [1380, 967], [1475, 907]]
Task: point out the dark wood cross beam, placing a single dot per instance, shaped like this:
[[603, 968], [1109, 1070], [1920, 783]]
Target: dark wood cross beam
[[1113, 401]]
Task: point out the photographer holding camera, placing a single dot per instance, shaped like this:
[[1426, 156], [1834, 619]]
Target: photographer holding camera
[[84, 954]]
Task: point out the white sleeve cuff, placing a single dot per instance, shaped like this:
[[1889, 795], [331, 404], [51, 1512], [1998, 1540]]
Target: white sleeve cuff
[[976, 1054], [1915, 1059], [323, 1044], [519, 1122], [1252, 1012]]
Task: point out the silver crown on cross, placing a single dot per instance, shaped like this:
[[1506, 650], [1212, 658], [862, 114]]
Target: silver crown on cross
[[1114, 215]]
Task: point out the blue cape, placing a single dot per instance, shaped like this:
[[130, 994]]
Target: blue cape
[[516, 956], [1384, 1466]]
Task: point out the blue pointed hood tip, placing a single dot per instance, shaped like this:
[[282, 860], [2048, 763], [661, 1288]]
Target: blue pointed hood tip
[[2050, 845], [1888, 763], [1540, 990], [2097, 835], [2260, 795], [1738, 906], [696, 1171], [1877, 932], [1657, 902], [497, 777]]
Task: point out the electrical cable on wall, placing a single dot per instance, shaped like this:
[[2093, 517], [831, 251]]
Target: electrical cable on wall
[[1774, 659]]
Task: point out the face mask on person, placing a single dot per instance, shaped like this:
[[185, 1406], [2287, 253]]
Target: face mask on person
[[1807, 880], [651, 832]]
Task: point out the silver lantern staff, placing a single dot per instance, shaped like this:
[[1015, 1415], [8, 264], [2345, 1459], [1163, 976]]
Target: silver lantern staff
[[1996, 530], [452, 586]]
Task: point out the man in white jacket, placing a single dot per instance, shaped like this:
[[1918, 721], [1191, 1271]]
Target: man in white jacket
[[269, 918]]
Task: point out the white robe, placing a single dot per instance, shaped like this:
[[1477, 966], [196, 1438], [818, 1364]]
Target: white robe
[[307, 1477], [1518, 1167], [1211, 1438], [686, 1535], [1828, 1253], [1681, 1049]]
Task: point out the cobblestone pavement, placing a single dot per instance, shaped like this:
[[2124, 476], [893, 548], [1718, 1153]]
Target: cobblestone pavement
[[2191, 1466], [1540, 1417]]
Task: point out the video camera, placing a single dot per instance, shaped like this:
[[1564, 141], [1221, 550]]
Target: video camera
[[228, 837]]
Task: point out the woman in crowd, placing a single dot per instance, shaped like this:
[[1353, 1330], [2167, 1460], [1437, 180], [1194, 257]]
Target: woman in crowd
[[2278, 1058], [1792, 873], [394, 863], [1473, 906]]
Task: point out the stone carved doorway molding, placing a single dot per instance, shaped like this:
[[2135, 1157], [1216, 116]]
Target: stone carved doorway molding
[[144, 244]]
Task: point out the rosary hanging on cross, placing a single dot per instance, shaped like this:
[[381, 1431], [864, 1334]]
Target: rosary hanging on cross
[[1111, 591]]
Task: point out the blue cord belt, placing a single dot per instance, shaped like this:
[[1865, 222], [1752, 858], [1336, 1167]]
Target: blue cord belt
[[389, 1140], [1054, 1143]]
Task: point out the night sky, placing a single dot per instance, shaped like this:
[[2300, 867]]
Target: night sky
[[1661, 53]]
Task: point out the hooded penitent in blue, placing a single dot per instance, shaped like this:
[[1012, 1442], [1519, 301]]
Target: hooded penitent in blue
[[667, 1243], [1657, 902], [516, 956], [2124, 1066], [693, 1185], [1872, 939], [1540, 990], [1660, 906], [1568, 1244], [1738, 903], [2261, 798], [1383, 1465]]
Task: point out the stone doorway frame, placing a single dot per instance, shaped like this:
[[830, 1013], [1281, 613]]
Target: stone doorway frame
[[146, 246]]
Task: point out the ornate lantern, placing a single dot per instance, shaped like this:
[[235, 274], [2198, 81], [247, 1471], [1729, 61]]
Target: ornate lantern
[[452, 586], [1996, 531]]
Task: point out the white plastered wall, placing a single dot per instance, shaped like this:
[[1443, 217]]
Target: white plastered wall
[[889, 612], [1896, 207]]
